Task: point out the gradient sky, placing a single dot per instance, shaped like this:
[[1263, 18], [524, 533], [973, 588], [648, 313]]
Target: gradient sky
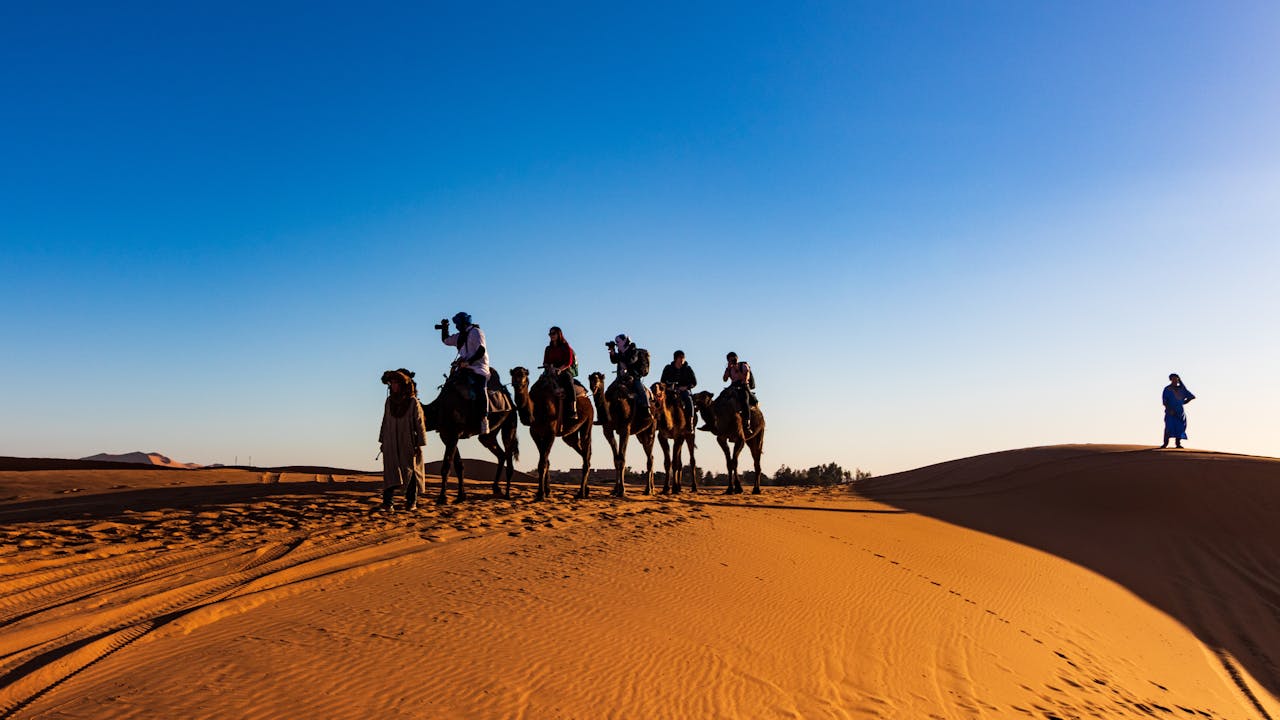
[[934, 229]]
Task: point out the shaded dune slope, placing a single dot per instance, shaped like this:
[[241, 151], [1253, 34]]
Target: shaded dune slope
[[1195, 534]]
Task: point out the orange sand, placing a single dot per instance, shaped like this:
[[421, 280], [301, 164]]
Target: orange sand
[[1055, 582]]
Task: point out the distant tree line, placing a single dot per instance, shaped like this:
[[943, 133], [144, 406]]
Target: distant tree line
[[818, 475], [829, 474]]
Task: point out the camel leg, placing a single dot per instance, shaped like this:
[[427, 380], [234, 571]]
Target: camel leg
[[757, 449], [544, 444], [544, 467], [737, 477], [646, 442], [545, 454], [728, 463], [620, 465], [584, 488], [491, 444], [458, 469], [666, 463], [693, 467], [580, 441], [677, 464], [508, 453], [446, 464]]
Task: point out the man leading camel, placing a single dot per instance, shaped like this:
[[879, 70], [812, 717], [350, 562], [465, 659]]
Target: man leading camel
[[679, 375], [472, 362]]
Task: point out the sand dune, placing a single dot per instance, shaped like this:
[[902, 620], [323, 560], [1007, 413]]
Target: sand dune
[[1193, 533], [141, 458], [1023, 584]]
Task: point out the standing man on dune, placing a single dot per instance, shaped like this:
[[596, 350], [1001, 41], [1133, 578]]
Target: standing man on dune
[[1176, 395]]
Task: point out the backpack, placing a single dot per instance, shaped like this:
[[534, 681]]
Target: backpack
[[751, 376], [642, 362]]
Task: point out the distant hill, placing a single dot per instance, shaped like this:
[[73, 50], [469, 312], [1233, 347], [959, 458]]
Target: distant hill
[[479, 470], [29, 464], [141, 458]]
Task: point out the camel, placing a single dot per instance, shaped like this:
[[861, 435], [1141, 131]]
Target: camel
[[725, 422], [618, 416], [674, 427], [540, 407], [455, 418]]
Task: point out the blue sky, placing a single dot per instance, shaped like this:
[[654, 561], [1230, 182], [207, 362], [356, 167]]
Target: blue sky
[[935, 229]]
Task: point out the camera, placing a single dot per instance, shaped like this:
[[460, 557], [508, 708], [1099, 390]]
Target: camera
[[611, 344], [442, 325]]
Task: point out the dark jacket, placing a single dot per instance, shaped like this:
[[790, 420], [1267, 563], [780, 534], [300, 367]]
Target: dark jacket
[[628, 359], [682, 376]]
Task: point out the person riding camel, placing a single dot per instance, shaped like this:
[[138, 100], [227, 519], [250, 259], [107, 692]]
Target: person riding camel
[[472, 362], [626, 356], [742, 382], [559, 357], [679, 375]]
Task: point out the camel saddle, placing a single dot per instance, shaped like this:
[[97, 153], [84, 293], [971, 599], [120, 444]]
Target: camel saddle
[[499, 401], [631, 393]]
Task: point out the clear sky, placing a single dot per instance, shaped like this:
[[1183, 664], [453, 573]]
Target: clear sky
[[934, 229]]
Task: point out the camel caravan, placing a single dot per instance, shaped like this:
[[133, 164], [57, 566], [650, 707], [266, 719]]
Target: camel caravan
[[473, 402]]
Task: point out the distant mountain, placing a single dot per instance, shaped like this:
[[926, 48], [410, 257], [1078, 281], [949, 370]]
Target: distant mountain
[[141, 458]]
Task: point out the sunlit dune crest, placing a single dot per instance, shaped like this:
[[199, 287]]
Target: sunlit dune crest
[[1066, 581], [141, 458]]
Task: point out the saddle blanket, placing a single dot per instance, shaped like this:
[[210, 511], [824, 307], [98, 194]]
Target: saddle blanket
[[499, 401]]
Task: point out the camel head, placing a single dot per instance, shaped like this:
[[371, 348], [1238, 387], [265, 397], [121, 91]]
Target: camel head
[[702, 400], [659, 393], [595, 381], [520, 379]]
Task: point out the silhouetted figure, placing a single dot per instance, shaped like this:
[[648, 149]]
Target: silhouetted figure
[[472, 363], [631, 371], [560, 358], [741, 380], [679, 375], [1176, 395], [402, 437]]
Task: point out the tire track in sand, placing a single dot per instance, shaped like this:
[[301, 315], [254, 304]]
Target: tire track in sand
[[38, 653], [91, 589]]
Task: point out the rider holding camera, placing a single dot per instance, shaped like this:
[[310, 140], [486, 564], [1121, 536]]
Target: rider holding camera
[[626, 356], [741, 382], [472, 363]]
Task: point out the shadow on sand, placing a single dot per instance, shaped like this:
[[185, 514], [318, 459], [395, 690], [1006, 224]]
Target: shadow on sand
[[190, 498], [1194, 534]]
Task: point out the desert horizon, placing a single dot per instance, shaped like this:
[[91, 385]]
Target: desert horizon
[[1063, 581]]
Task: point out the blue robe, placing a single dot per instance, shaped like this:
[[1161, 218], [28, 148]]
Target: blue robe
[[1175, 418]]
